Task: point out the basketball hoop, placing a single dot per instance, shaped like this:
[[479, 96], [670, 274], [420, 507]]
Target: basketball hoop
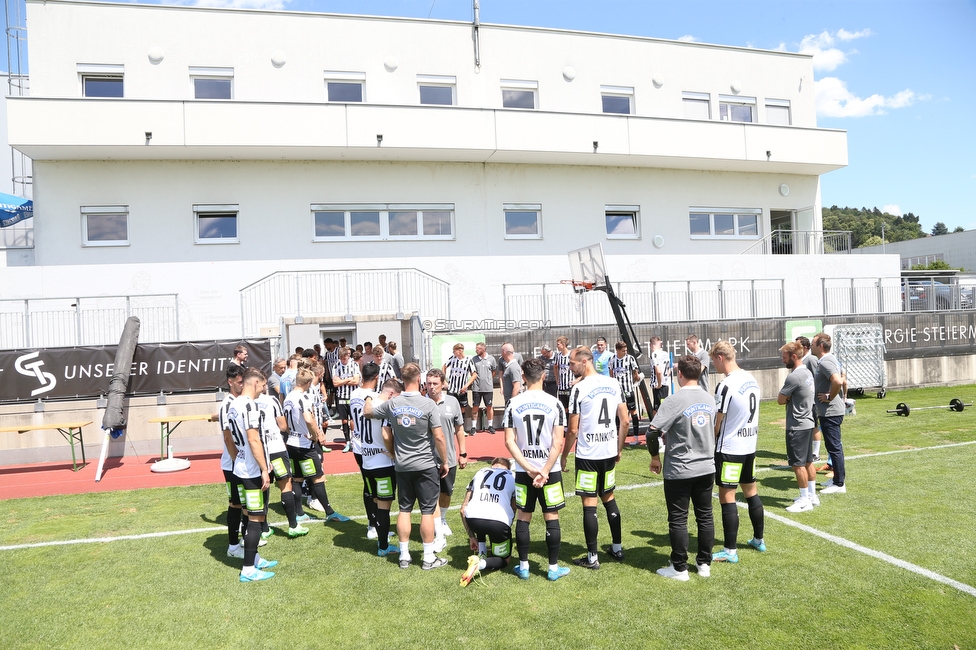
[[579, 286]]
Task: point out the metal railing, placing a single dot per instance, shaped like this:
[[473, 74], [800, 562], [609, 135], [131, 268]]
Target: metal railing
[[888, 295], [802, 242], [88, 320], [19, 235], [663, 301], [347, 294]]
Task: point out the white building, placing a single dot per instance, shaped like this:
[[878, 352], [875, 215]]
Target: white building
[[195, 151]]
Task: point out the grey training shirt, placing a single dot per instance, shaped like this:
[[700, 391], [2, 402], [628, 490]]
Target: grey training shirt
[[799, 389], [413, 418], [451, 418], [688, 420], [484, 382], [828, 366]]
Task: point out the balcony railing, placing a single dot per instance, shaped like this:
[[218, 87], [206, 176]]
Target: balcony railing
[[802, 242]]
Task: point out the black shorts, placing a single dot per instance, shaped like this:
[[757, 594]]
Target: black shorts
[[660, 394], [252, 496], [563, 396], [233, 496], [381, 483], [799, 447], [631, 400], [447, 483], [462, 398], [478, 398], [595, 477], [421, 487], [732, 470], [550, 496], [342, 410], [280, 466], [549, 387], [499, 535], [305, 463]]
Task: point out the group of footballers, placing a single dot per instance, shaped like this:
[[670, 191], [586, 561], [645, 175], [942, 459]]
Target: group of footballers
[[407, 430]]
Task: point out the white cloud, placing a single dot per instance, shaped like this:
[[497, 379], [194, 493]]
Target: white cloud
[[688, 38], [892, 209], [845, 35], [835, 100]]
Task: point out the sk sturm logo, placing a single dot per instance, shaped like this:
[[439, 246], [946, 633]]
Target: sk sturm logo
[[406, 421], [33, 369]]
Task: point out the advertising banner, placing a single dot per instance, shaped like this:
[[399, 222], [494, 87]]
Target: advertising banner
[[86, 371]]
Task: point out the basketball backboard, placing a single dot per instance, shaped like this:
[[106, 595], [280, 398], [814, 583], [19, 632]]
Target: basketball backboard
[[587, 265]]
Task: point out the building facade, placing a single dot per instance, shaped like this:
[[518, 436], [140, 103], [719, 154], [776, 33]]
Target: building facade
[[195, 151]]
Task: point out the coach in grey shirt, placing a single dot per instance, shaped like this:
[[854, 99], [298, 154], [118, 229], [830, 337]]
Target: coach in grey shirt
[[512, 374], [412, 434], [830, 409], [688, 419], [797, 396], [483, 388]]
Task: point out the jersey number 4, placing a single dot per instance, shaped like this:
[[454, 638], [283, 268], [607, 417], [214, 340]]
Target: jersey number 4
[[604, 417]]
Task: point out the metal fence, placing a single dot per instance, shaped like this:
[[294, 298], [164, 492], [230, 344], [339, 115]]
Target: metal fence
[[802, 242], [19, 235], [347, 294], [647, 302], [888, 295], [88, 320]]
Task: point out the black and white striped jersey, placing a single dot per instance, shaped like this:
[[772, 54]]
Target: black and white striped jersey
[[345, 371], [458, 371], [622, 368], [564, 374]]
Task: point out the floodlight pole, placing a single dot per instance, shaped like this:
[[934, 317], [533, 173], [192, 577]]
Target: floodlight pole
[[629, 337]]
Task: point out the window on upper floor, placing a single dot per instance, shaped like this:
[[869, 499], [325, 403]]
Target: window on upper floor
[[104, 225], [520, 94], [345, 87], [212, 83], [437, 90], [623, 221], [617, 99], [386, 221], [778, 111], [215, 224], [696, 105], [523, 220], [732, 108], [101, 80], [724, 223]]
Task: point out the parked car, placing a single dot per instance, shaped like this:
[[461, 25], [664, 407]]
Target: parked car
[[945, 296]]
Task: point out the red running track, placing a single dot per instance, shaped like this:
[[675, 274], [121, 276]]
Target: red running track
[[134, 473]]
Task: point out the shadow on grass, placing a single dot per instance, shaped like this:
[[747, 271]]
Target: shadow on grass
[[654, 555], [217, 545]]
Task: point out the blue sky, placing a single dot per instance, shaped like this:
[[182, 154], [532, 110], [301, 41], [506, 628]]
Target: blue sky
[[898, 75]]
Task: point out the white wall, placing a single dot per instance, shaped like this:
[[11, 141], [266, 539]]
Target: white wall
[[63, 34]]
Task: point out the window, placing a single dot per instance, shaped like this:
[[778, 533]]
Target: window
[[105, 225], [617, 99], [724, 223], [696, 105], [101, 80], [519, 94], [212, 83], [345, 87], [386, 221], [437, 91], [623, 222], [216, 224], [523, 221], [736, 109], [778, 111]]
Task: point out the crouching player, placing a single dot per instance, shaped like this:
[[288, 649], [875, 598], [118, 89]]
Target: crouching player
[[487, 512], [243, 442], [534, 424]]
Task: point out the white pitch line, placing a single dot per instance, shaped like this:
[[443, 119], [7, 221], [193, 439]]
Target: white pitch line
[[908, 566], [840, 541]]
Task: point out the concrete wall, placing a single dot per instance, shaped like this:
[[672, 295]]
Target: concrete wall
[[142, 438]]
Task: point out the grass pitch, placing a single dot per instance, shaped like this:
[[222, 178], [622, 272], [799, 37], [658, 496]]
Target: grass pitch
[[180, 590]]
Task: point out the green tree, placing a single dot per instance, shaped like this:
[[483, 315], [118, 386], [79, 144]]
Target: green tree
[[935, 265], [959, 229], [873, 240], [939, 229], [865, 223]]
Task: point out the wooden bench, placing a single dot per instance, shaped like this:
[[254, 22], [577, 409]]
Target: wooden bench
[[70, 430]]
